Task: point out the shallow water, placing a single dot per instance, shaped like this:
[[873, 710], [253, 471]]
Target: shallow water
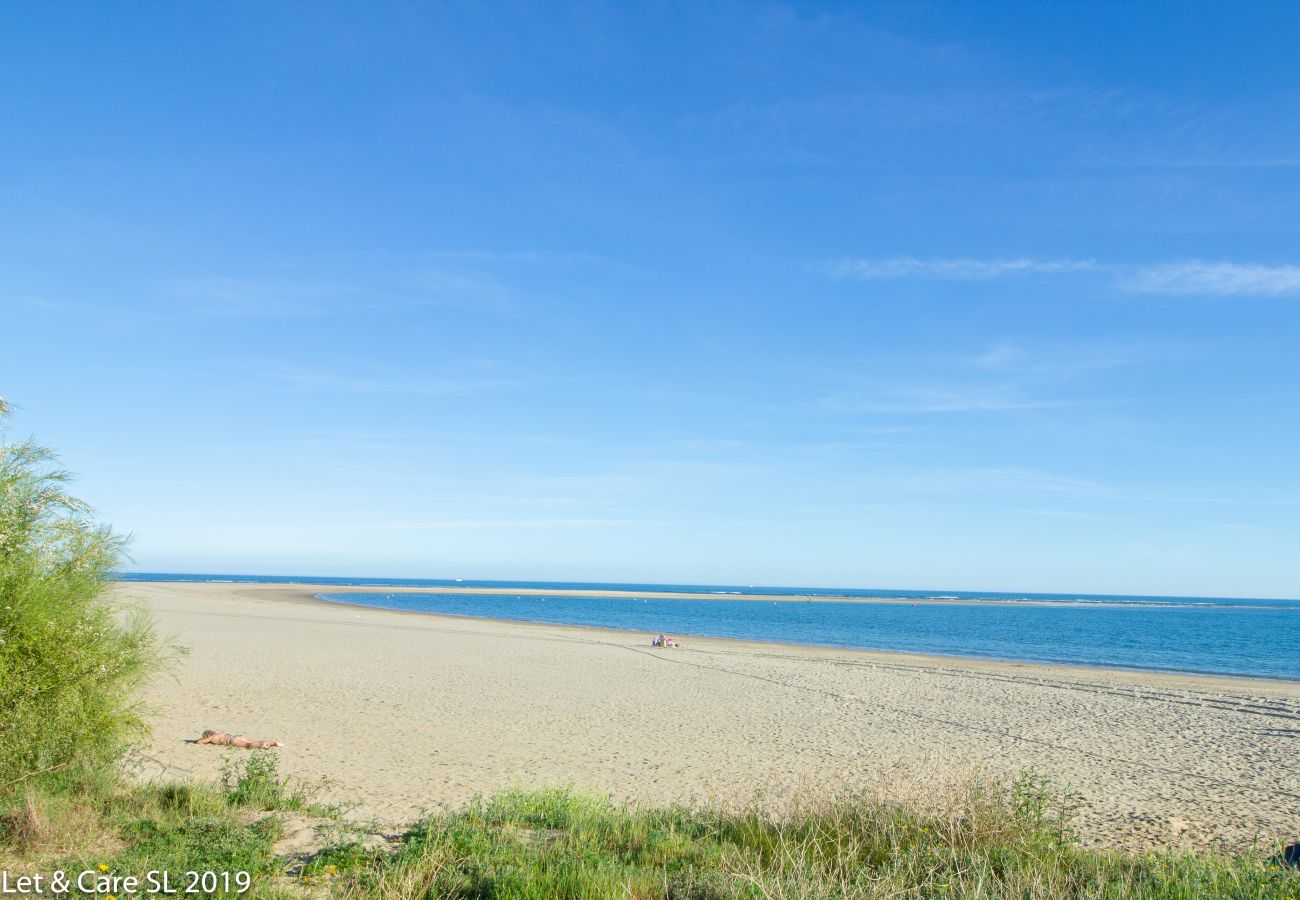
[[1233, 637]]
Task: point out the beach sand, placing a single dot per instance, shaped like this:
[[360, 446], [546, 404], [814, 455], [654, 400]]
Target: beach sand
[[407, 712]]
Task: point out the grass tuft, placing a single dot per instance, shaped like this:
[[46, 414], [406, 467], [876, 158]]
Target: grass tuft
[[254, 782], [25, 825]]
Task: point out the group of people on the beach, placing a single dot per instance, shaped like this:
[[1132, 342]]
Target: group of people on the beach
[[663, 641]]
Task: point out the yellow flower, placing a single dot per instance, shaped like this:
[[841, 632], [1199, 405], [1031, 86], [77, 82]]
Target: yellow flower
[[103, 868]]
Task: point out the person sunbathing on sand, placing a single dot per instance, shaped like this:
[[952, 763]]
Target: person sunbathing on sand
[[226, 739]]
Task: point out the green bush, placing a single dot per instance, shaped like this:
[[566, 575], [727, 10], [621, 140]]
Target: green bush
[[70, 658]]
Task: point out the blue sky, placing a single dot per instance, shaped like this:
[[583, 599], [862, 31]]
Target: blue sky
[[965, 296]]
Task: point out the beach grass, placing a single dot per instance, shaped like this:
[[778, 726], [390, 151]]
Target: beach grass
[[991, 840], [120, 827], [986, 840]]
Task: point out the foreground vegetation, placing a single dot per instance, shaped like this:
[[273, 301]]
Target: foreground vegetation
[[115, 828], [70, 660], [990, 843], [992, 840]]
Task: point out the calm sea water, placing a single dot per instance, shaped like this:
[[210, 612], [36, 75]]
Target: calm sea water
[[1220, 635]]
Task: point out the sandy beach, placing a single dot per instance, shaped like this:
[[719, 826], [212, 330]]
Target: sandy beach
[[409, 711]]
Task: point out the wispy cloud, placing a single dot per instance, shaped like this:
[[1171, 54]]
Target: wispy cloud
[[479, 280], [1006, 376], [1009, 481], [899, 399], [361, 385], [238, 298], [1057, 514], [506, 524], [1238, 526], [1222, 279], [958, 269], [1180, 554], [67, 307], [1005, 354], [513, 256], [361, 291], [1192, 276], [1065, 360]]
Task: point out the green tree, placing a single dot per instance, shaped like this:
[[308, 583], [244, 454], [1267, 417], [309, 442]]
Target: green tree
[[71, 658]]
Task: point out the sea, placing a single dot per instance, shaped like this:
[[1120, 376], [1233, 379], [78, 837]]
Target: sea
[[1208, 635]]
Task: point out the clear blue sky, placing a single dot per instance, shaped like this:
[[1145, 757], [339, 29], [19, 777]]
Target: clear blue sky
[[966, 296]]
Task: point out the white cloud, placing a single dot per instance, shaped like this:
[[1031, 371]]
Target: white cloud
[[959, 269], [1218, 278]]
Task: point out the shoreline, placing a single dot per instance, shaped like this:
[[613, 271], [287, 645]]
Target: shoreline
[[951, 658], [408, 711]]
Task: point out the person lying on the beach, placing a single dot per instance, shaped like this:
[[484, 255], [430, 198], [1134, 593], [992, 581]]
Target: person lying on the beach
[[226, 739]]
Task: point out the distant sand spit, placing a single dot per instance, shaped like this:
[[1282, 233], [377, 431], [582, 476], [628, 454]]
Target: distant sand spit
[[685, 595], [412, 711]]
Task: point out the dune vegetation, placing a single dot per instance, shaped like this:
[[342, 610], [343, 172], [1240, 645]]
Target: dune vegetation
[[989, 840]]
